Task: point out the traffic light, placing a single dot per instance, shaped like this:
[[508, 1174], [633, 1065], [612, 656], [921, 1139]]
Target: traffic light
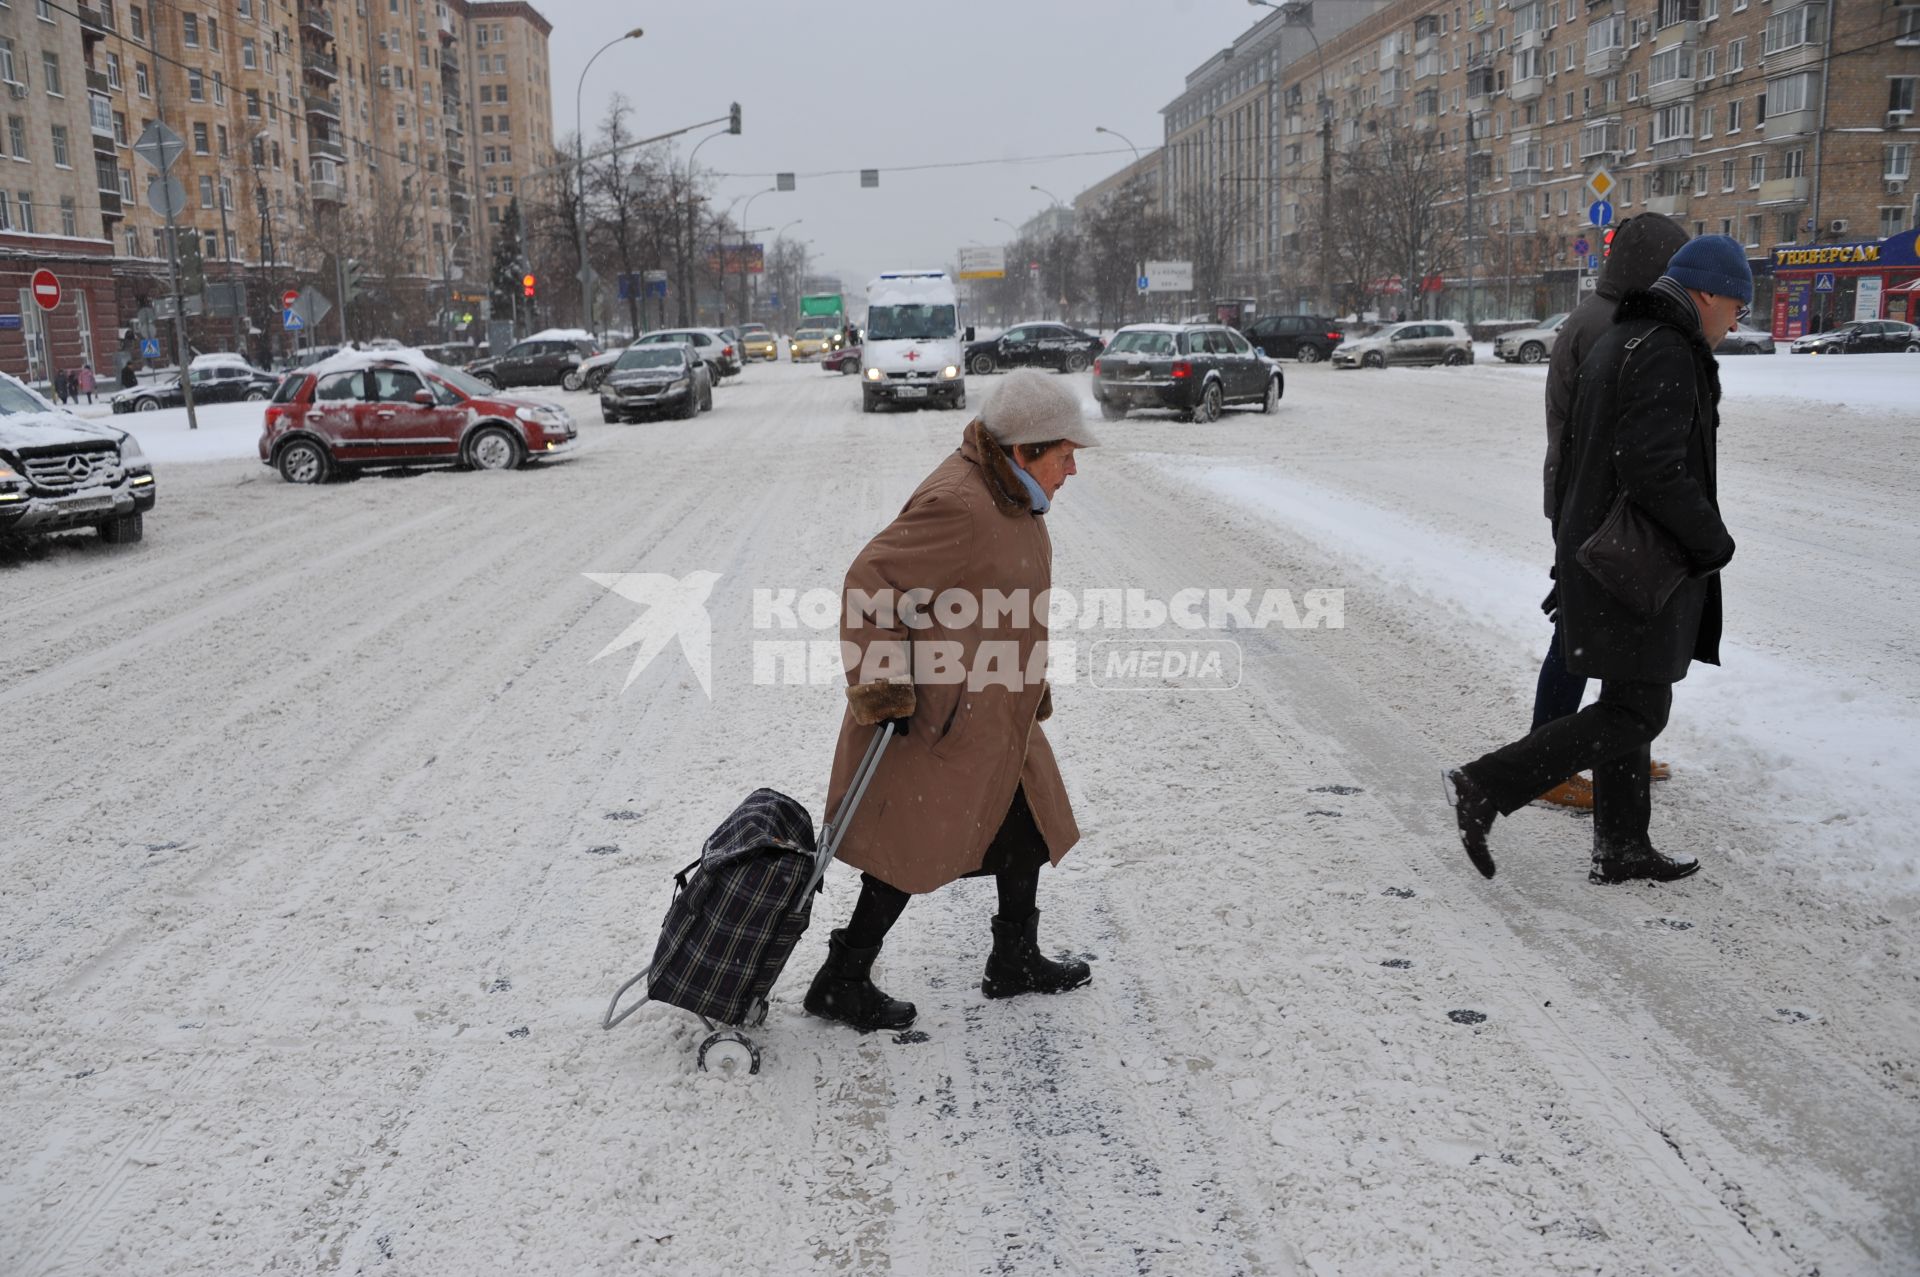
[[1606, 243], [350, 284], [733, 118], [193, 277], [526, 285]]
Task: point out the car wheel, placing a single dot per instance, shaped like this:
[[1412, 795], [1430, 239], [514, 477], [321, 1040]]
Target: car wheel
[[572, 381], [1913, 348], [493, 448], [146, 405], [691, 408], [1309, 353], [960, 401], [851, 368], [1076, 362], [868, 401], [1374, 359], [981, 365], [1271, 404], [1210, 406], [492, 381], [1454, 358], [1112, 411], [255, 396], [706, 398], [1532, 353], [304, 461], [124, 530]]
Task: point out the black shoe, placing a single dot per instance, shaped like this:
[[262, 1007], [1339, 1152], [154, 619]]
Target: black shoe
[[1017, 966], [1613, 865], [844, 990], [1475, 813]]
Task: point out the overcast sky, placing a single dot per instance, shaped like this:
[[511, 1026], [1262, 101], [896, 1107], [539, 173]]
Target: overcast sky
[[852, 84]]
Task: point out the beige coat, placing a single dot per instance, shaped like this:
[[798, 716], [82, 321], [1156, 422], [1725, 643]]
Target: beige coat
[[943, 788]]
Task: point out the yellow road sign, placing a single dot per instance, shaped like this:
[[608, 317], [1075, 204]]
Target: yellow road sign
[[1600, 183]]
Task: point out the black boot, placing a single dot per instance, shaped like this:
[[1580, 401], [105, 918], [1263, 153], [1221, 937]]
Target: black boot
[[1016, 964], [844, 990], [1616, 864], [1474, 812]]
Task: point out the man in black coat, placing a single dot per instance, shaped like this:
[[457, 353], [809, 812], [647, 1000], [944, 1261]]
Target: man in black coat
[[1639, 480], [1638, 255]]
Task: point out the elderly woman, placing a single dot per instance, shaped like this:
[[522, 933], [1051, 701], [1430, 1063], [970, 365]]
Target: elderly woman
[[970, 787]]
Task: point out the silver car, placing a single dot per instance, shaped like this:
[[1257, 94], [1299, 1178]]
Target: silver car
[[1529, 345], [1745, 341], [1420, 341]]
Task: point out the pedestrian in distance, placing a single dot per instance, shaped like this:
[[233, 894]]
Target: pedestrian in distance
[[85, 385], [1639, 545], [128, 378], [971, 787], [1639, 253]]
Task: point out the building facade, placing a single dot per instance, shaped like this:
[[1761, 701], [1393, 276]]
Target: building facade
[[1779, 122]]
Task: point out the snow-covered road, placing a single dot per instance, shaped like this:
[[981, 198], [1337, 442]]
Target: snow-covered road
[[327, 840]]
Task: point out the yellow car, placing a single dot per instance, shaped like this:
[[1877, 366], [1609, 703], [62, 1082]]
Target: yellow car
[[760, 342], [811, 343]]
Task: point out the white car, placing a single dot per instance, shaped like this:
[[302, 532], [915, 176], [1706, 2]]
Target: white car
[[1529, 345]]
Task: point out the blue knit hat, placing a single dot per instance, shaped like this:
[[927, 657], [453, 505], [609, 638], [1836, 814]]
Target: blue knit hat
[[1713, 264]]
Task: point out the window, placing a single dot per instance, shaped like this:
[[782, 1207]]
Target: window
[[1899, 165], [1793, 93], [1793, 163], [1703, 66], [136, 22], [50, 68], [1726, 174], [61, 158], [206, 190], [1909, 27], [17, 139], [213, 32], [1633, 86], [196, 86], [1673, 122], [200, 146], [190, 30], [120, 127], [26, 211], [1733, 115], [1900, 94], [1706, 121], [1893, 220], [1804, 24], [1737, 55], [220, 133], [140, 80], [1671, 64], [249, 53], [1756, 171], [113, 71]]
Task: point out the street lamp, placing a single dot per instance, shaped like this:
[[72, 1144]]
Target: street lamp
[[1101, 128], [1049, 194], [745, 215], [580, 171], [1297, 13]]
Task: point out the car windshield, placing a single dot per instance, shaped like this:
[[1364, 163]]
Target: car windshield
[[1142, 343], [909, 323], [471, 387], [16, 399], [651, 357]]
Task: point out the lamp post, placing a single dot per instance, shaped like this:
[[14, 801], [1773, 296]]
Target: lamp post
[[1101, 128], [745, 214], [1298, 13], [580, 173]]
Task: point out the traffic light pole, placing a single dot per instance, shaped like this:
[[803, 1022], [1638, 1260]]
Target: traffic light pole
[[340, 283], [173, 259]]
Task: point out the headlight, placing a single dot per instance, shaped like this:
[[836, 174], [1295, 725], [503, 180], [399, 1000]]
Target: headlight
[[681, 384], [130, 454], [873, 374], [7, 473], [949, 372], [541, 416]]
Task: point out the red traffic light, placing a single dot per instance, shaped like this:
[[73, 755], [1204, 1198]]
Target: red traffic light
[[526, 285], [1606, 242]]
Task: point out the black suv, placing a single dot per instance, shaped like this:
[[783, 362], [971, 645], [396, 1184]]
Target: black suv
[[59, 472], [1198, 370], [1308, 338], [537, 361], [1053, 346]]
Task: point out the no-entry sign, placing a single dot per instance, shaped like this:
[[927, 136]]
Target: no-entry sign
[[290, 299], [46, 289]]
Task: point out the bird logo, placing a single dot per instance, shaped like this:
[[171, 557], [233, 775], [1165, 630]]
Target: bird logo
[[672, 608]]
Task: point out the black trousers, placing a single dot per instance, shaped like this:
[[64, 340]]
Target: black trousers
[[1013, 858], [1613, 736]]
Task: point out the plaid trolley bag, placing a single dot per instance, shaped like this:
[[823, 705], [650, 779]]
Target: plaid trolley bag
[[738, 911]]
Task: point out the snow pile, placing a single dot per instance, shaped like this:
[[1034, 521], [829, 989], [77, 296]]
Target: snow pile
[[561, 334], [227, 430]]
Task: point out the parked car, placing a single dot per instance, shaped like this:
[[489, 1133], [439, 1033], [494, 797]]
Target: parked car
[[1746, 341], [1198, 370], [364, 409], [661, 377], [1308, 338], [1529, 345], [845, 360], [758, 342], [227, 380], [592, 372], [537, 361], [814, 338], [1054, 346], [59, 472], [1420, 341], [1861, 337], [722, 356]]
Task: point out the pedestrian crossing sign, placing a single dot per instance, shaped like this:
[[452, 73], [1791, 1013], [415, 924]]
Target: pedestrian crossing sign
[[291, 321], [150, 348]]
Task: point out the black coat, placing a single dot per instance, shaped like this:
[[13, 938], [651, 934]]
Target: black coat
[[1644, 422]]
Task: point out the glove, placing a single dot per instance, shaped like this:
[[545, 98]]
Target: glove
[[881, 702], [1551, 604]]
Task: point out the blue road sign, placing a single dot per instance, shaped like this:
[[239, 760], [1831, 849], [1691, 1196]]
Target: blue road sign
[[1581, 247], [1593, 261], [150, 348], [1142, 283], [11, 323], [1823, 282], [657, 288], [291, 321], [1600, 213]]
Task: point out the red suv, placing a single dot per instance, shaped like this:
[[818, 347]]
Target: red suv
[[358, 410]]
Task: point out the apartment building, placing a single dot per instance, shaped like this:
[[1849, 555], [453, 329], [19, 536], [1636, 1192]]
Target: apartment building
[[514, 100], [57, 175], [1781, 122]]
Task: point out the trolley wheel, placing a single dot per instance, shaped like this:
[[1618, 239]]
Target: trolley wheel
[[729, 1051]]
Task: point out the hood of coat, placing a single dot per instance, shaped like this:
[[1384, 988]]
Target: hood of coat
[[1639, 254], [1010, 495], [1647, 304]]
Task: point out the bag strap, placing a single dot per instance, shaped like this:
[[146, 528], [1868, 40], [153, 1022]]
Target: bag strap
[[680, 879]]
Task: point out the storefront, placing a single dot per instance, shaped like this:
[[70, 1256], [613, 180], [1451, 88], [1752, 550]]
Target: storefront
[[1820, 286]]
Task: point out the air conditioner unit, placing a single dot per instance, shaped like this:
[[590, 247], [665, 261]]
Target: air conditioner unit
[[1837, 226], [1896, 188], [16, 88], [1898, 119]]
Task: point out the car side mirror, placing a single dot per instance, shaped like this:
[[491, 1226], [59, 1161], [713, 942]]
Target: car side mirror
[[969, 336], [424, 397]]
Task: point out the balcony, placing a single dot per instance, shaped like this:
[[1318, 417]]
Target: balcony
[[321, 66], [1600, 138], [316, 22], [93, 23], [326, 145], [1783, 190], [1668, 205], [1605, 59], [450, 62], [1480, 90], [321, 106], [100, 120], [1674, 148], [97, 82], [325, 192], [1480, 15], [1667, 91], [1528, 89], [456, 156]]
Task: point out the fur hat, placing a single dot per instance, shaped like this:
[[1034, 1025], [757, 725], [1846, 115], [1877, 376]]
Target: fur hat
[[1713, 264], [1030, 406]]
